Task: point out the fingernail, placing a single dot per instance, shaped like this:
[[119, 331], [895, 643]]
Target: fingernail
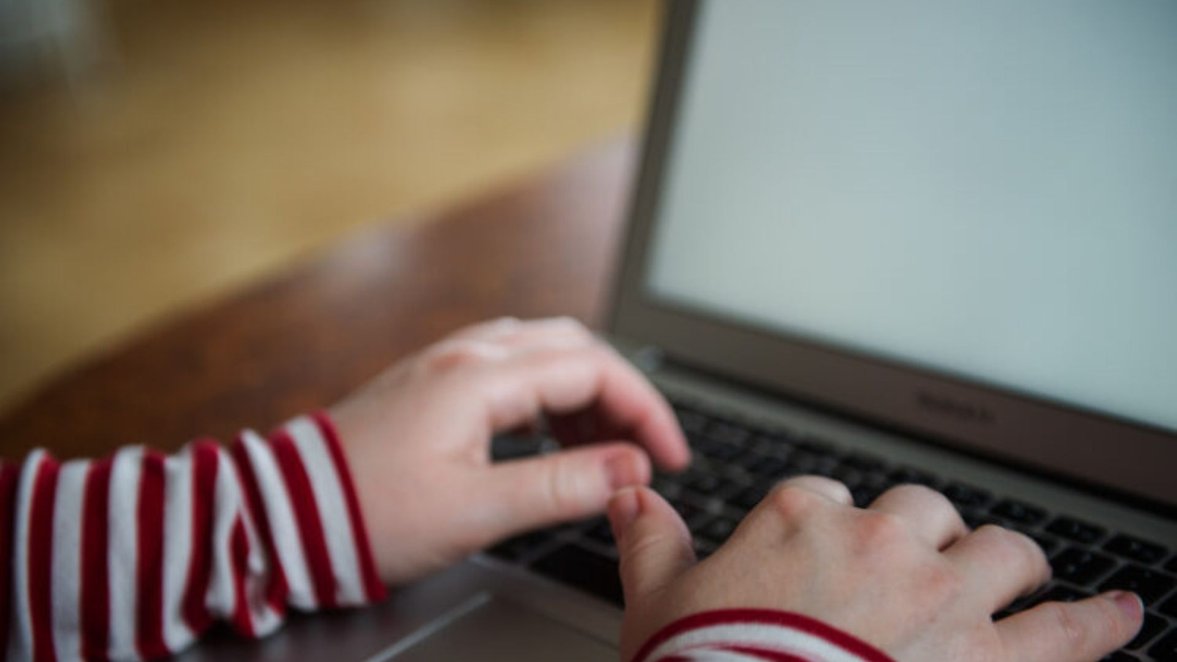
[[622, 472], [1129, 603], [623, 510]]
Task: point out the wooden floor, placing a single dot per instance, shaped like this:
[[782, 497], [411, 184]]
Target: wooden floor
[[220, 141]]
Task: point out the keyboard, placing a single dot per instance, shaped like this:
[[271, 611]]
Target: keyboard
[[736, 464]]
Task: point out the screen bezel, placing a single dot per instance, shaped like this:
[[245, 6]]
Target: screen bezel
[[1127, 456]]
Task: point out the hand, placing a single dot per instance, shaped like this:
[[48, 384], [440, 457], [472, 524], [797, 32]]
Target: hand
[[417, 440], [905, 575]]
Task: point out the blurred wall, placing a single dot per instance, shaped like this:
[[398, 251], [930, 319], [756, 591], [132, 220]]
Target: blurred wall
[[212, 142]]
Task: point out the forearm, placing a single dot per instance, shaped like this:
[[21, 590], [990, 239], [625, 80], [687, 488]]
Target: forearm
[[137, 554]]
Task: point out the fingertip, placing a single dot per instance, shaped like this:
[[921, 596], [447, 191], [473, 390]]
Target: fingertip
[[626, 467], [1130, 605]]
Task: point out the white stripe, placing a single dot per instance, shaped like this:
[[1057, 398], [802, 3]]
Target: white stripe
[[20, 640], [67, 566], [177, 547], [333, 512], [772, 637], [226, 507], [258, 573], [283, 527], [123, 550]]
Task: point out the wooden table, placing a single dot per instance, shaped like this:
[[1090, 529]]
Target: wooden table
[[302, 340]]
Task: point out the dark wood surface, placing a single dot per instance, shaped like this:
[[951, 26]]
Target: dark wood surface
[[302, 340]]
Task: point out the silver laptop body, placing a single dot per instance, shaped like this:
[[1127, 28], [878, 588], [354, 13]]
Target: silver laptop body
[[936, 237]]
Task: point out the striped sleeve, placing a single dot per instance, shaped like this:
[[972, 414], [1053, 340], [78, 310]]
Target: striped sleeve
[[754, 635], [136, 555]]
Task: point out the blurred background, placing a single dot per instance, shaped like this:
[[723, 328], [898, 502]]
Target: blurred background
[[158, 154]]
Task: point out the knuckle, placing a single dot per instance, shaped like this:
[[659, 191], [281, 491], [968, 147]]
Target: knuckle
[[452, 354], [1066, 625], [790, 501], [562, 487], [878, 529], [1015, 547]]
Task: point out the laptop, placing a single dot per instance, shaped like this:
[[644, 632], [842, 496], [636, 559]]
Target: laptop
[[913, 241]]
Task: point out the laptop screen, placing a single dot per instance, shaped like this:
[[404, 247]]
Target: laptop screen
[[986, 189]]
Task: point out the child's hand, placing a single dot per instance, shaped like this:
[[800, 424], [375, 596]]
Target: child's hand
[[905, 575], [417, 440]]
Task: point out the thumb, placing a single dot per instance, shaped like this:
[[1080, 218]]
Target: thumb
[[569, 485], [652, 540]]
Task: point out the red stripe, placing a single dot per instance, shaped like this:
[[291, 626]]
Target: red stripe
[[9, 476], [40, 560], [849, 643], [310, 527], [149, 570], [373, 587], [764, 654], [239, 555], [95, 587], [278, 589], [204, 481]]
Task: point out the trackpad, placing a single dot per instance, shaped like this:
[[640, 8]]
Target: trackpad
[[492, 628]]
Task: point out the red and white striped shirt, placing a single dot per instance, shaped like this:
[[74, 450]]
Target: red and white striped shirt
[[135, 555], [754, 635]]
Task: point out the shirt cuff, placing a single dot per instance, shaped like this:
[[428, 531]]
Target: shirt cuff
[[755, 634]]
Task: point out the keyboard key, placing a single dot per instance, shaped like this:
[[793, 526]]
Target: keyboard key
[[770, 467], [1017, 512], [586, 570], [728, 433], [1150, 585], [967, 496], [751, 496], [1060, 593], [1153, 626], [717, 530], [692, 422], [1165, 649], [816, 446], [1135, 549], [912, 475], [864, 463], [687, 510], [715, 450], [1048, 544], [1081, 566], [1078, 531]]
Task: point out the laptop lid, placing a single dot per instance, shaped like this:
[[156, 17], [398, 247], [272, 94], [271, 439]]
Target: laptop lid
[[954, 218]]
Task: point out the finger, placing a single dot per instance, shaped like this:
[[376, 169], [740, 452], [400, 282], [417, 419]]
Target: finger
[[928, 513], [998, 565], [652, 540], [564, 380], [1083, 630], [559, 487], [827, 487]]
